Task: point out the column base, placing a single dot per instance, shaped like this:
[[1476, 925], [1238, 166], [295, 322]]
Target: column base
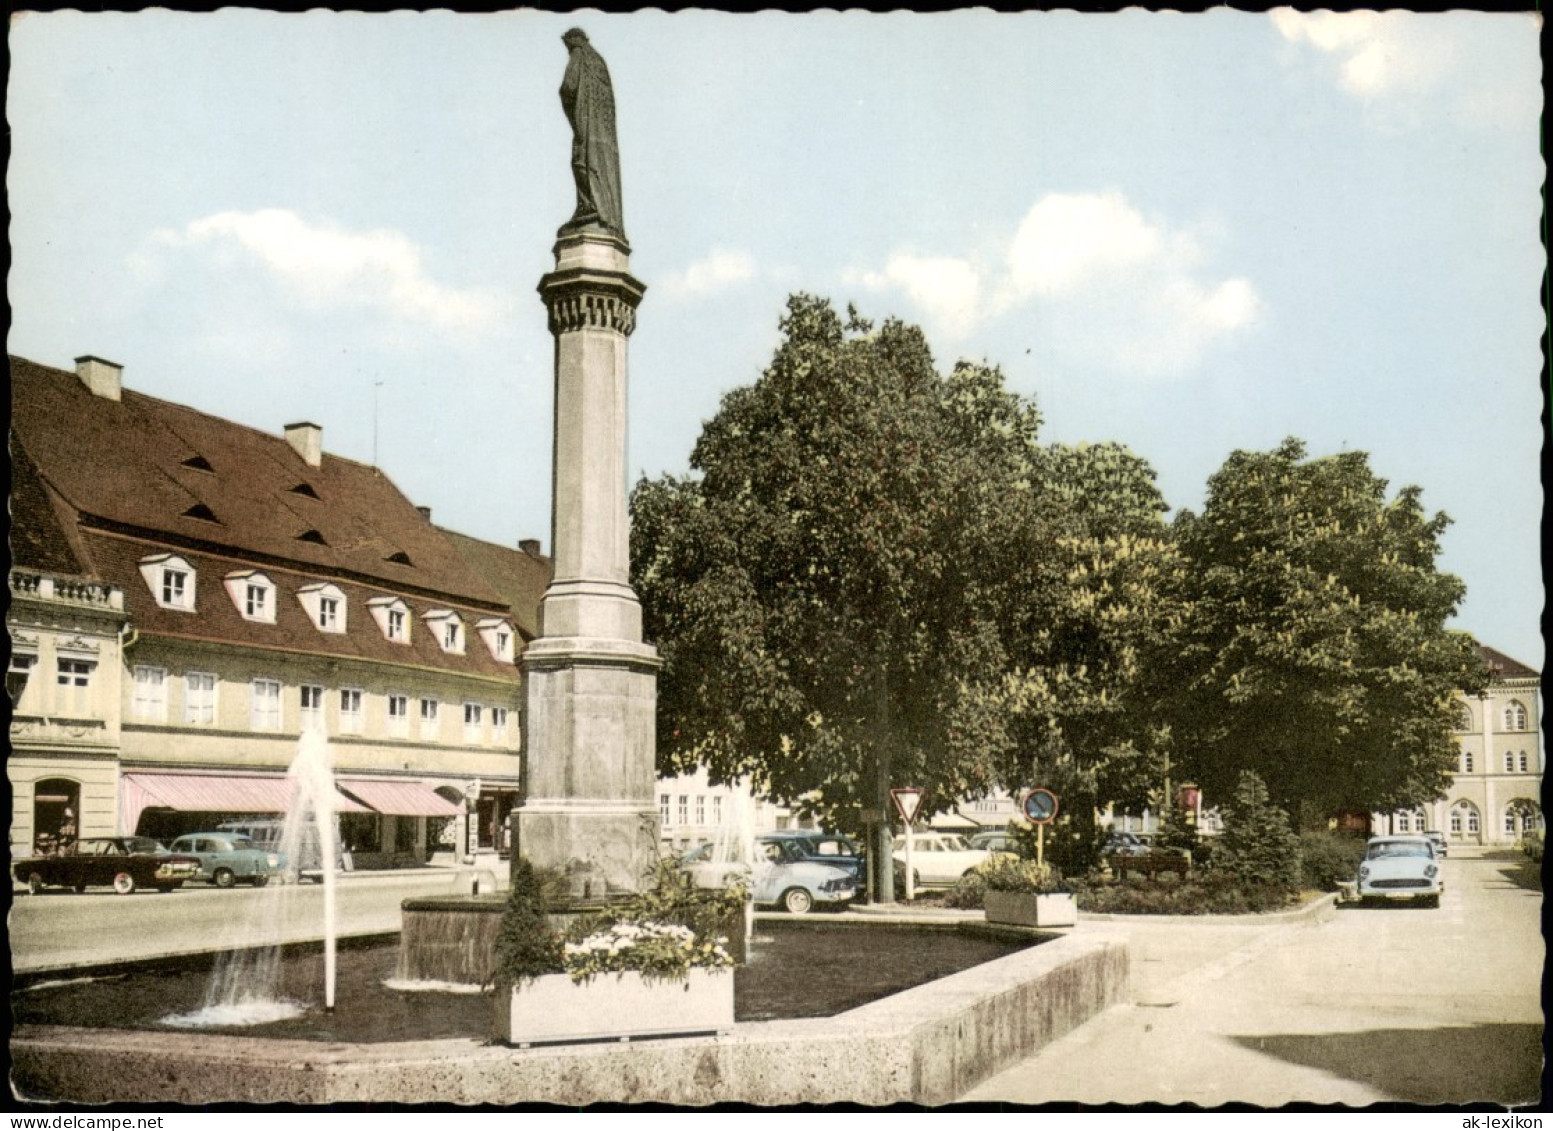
[[602, 849]]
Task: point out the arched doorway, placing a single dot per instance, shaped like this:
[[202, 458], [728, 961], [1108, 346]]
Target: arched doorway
[[1466, 823], [56, 816], [1521, 816]]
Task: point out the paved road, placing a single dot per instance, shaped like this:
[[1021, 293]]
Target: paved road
[[1373, 1005], [57, 929]]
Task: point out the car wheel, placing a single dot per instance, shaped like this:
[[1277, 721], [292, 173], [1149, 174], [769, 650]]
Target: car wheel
[[1431, 901], [797, 901], [34, 883], [224, 878], [260, 881], [164, 888], [123, 883]]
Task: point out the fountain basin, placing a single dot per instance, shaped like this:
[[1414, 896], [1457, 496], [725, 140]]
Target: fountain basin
[[925, 1045]]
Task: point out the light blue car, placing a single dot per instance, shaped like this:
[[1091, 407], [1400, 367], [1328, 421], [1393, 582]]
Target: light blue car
[[781, 876], [226, 858]]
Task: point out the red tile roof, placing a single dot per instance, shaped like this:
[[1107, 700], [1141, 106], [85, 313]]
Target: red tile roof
[[520, 577], [126, 465], [1502, 666]]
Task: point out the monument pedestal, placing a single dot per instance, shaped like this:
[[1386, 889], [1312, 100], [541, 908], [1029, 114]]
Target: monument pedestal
[[589, 729]]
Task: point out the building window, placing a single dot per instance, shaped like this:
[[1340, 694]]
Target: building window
[[428, 718], [1403, 823], [497, 635], [393, 618], [399, 714], [684, 809], [451, 640], [265, 711], [1509, 763], [1515, 715], [1463, 717], [717, 809], [171, 581], [474, 718], [325, 605], [663, 808], [18, 674], [150, 695], [350, 710], [74, 679], [1456, 822], [312, 706], [199, 698], [1466, 761], [700, 808], [499, 724], [1473, 827], [1509, 822], [449, 629], [1524, 762]]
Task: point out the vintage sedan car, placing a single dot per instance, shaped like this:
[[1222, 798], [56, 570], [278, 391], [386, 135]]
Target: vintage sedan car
[[938, 860], [1400, 867], [782, 875], [225, 858], [123, 863], [994, 841], [823, 848], [1442, 846]]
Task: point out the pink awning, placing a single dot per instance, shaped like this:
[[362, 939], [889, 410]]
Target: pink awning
[[400, 798], [211, 793]]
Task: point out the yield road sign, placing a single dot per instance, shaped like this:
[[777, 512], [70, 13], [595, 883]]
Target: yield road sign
[[907, 801]]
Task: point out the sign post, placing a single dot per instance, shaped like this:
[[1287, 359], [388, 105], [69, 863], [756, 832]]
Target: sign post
[[907, 801], [1040, 808]]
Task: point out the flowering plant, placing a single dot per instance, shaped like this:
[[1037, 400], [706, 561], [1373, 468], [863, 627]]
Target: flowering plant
[[1009, 873], [655, 950]]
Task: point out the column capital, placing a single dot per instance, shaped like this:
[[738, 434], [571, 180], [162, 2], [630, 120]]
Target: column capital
[[582, 298]]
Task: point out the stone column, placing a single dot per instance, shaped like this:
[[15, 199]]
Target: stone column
[[589, 742]]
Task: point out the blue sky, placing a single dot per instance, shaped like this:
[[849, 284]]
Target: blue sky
[[1186, 233]]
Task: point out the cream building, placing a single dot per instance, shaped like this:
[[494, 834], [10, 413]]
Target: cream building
[[1495, 796]]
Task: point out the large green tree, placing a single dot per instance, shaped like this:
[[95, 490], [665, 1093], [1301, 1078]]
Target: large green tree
[[1314, 649], [860, 559]]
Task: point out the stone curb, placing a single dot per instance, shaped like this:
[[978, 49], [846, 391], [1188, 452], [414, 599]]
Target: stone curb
[[1313, 910]]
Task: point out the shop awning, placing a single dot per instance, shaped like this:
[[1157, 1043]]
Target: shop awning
[[211, 793], [400, 798]]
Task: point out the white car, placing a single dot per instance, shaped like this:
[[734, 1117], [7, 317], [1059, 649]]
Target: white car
[[1400, 867], [781, 875], [938, 860]]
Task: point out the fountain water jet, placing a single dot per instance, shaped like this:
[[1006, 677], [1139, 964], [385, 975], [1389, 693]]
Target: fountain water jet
[[245, 986]]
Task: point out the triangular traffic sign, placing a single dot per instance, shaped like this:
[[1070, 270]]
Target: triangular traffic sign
[[907, 801]]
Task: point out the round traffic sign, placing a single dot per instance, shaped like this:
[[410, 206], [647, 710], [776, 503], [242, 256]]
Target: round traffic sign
[[1040, 806]]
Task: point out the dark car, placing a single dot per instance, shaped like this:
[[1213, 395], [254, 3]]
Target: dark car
[[1441, 845], [822, 848], [123, 863]]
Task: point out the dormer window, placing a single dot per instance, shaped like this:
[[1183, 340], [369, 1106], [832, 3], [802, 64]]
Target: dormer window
[[498, 637], [171, 581], [449, 629], [254, 595], [325, 606], [393, 618]]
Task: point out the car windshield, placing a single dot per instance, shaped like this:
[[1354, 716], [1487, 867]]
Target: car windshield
[[1391, 849], [142, 844], [954, 842]]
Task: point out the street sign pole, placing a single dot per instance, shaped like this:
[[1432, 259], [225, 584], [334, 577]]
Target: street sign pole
[[1040, 845], [907, 801], [911, 886]]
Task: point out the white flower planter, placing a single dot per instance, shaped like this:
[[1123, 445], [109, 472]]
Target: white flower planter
[[1026, 909], [554, 1009]]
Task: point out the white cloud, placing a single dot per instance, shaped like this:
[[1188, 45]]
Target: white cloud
[[1113, 287], [946, 289], [721, 269], [326, 266], [1378, 53]]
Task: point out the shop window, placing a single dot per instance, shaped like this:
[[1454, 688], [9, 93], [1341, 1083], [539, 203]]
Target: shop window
[[404, 834], [361, 832], [56, 805]]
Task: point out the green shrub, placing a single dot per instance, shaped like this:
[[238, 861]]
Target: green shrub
[[1258, 845], [527, 946], [1327, 859], [969, 893], [1008, 873], [1200, 893]]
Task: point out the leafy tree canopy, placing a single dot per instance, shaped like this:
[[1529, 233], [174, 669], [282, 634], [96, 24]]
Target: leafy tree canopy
[[1313, 648]]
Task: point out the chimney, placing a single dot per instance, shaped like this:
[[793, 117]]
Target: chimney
[[308, 442], [103, 378], [530, 546], [425, 513]]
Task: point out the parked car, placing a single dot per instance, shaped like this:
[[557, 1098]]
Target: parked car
[[938, 860], [1400, 867], [307, 863], [824, 848], [1118, 843], [782, 875], [994, 841], [1441, 845], [121, 862], [226, 857]]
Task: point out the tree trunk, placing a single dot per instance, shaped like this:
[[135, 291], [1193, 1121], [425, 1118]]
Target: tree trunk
[[881, 847]]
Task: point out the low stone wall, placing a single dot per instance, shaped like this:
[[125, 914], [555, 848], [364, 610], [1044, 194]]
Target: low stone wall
[[927, 1045]]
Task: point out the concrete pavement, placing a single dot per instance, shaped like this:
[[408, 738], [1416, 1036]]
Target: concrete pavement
[[1372, 1005]]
